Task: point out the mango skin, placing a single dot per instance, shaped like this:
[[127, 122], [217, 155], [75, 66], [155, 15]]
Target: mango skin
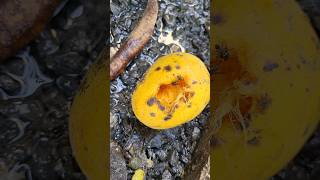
[[268, 61], [88, 122], [172, 78]]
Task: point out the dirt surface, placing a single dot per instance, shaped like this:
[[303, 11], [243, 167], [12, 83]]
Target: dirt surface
[[36, 90]]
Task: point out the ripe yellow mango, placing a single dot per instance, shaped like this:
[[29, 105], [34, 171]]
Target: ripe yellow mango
[[88, 122], [174, 90], [266, 86]]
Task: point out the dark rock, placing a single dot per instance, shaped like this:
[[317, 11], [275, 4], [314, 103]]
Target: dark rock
[[118, 169], [166, 175]]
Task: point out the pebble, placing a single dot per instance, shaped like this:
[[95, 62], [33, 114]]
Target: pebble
[[157, 141], [158, 169], [166, 175], [162, 155], [118, 167], [195, 133]]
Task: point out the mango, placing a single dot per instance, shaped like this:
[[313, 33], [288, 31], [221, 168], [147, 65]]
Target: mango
[[266, 86], [174, 90], [88, 123]]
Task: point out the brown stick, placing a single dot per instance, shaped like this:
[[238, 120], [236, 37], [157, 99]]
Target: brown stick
[[21, 21], [136, 40]]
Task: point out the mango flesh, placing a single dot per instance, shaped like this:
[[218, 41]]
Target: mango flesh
[[266, 88], [174, 90]]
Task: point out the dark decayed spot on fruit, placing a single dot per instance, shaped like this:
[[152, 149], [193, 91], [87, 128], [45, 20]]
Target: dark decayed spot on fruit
[[179, 77], [177, 67], [153, 114], [161, 107], [174, 83], [245, 104], [303, 61], [298, 66], [263, 103], [270, 67], [194, 82], [288, 68], [158, 68], [217, 19], [85, 148], [167, 68], [189, 105], [254, 141], [151, 101], [169, 116]]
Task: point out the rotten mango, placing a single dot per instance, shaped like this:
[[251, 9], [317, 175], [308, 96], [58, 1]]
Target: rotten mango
[[174, 90]]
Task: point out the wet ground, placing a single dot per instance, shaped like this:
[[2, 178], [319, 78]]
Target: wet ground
[[182, 25], [38, 85], [36, 90]]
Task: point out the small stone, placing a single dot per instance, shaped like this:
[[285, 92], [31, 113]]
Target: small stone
[[156, 142], [184, 159], [189, 1], [166, 175], [195, 133], [117, 163], [174, 159], [136, 163], [169, 20], [174, 48], [149, 163], [178, 170], [158, 169], [113, 120], [162, 155], [169, 17]]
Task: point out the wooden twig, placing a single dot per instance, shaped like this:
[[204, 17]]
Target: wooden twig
[[136, 40], [21, 21]]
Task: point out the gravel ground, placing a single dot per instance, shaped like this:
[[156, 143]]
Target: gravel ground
[[162, 154], [37, 87]]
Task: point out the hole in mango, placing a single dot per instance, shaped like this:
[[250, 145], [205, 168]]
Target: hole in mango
[[172, 95]]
